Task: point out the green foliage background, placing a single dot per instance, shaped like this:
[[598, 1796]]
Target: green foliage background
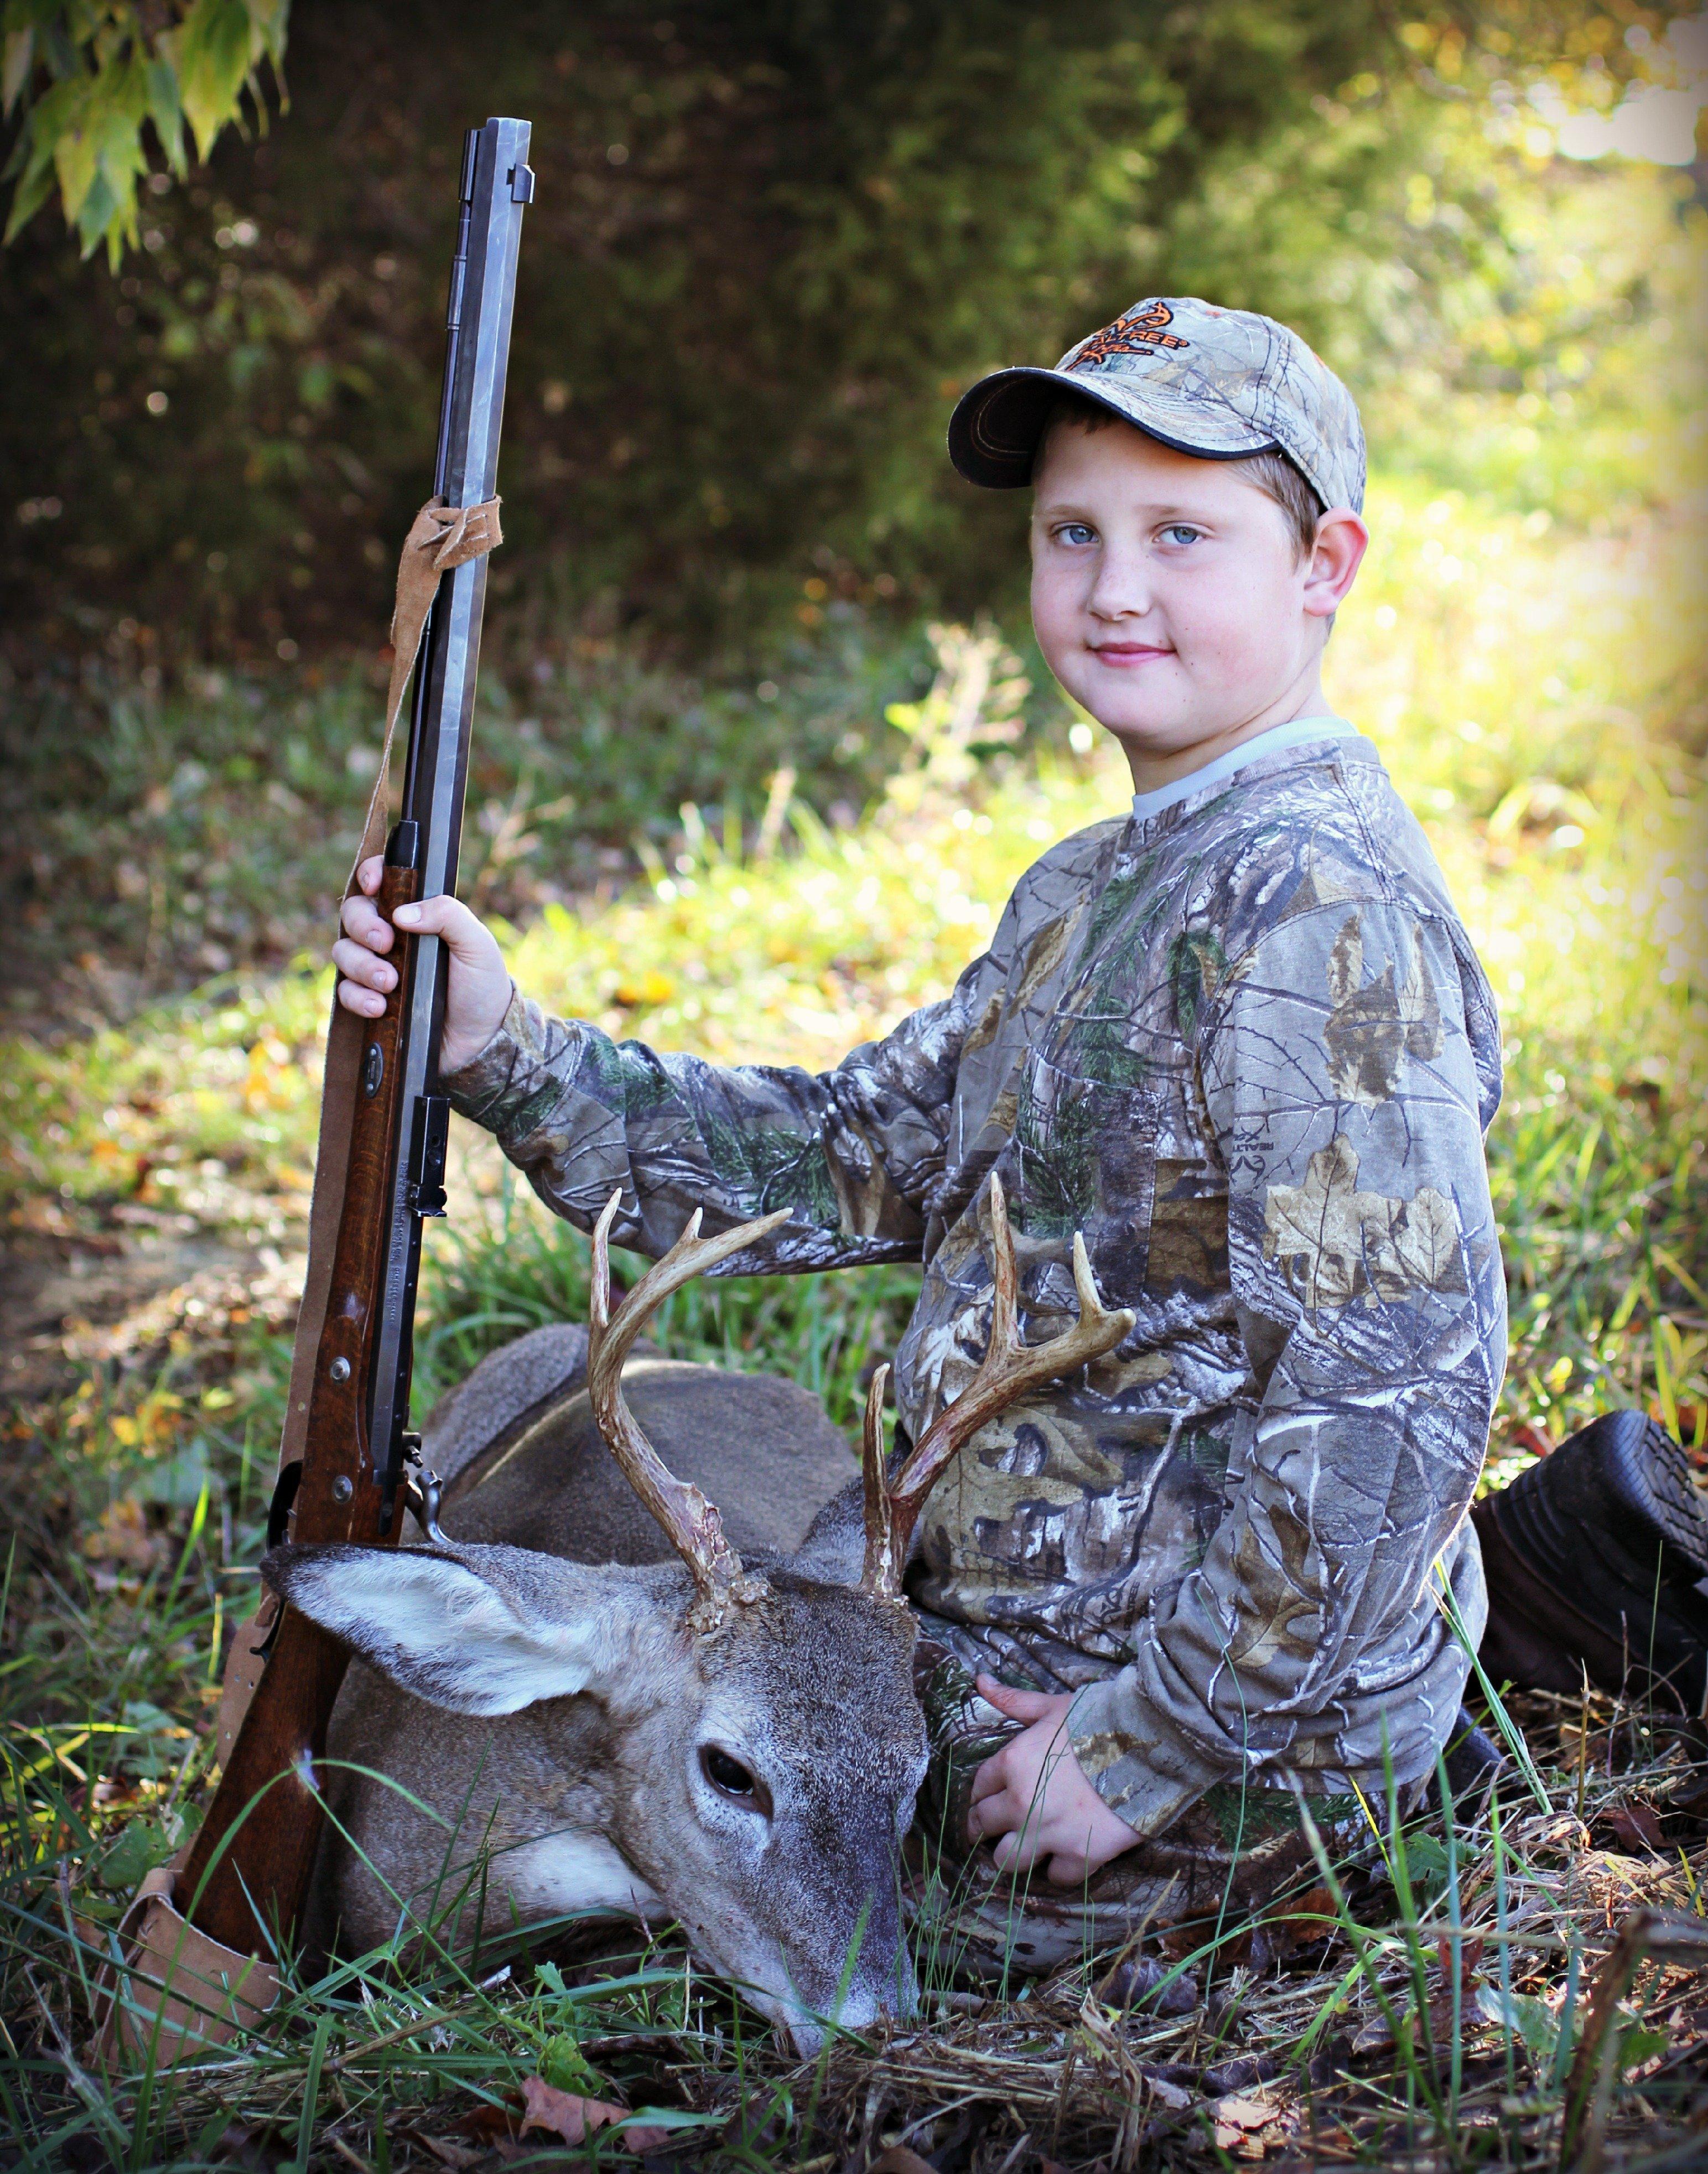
[[91, 80], [773, 239]]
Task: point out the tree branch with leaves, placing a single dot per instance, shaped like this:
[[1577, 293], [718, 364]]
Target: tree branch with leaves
[[86, 80]]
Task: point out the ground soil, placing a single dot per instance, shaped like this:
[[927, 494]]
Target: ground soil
[[60, 1290]]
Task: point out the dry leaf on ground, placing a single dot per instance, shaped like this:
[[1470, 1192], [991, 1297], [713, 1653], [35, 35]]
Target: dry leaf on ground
[[1637, 1824], [123, 1537], [568, 2115], [1246, 2126]]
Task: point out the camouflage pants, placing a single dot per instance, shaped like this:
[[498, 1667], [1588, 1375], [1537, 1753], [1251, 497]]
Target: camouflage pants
[[1234, 1855]]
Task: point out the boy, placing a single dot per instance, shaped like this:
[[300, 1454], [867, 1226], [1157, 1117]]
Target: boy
[[1242, 1041]]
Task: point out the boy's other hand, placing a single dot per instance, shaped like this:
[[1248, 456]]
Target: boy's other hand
[[478, 994], [1034, 1797]]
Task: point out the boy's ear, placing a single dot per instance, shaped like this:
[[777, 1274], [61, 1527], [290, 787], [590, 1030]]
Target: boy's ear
[[478, 1630], [1342, 540]]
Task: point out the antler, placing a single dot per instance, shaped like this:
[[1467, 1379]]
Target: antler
[[879, 1521], [690, 1524], [1008, 1371]]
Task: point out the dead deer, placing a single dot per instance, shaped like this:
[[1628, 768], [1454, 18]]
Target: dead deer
[[614, 1699]]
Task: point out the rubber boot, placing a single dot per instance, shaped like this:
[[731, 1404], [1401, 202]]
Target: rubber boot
[[1474, 1762], [1597, 1560]]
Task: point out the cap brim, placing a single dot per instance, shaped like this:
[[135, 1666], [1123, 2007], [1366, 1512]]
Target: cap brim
[[994, 432]]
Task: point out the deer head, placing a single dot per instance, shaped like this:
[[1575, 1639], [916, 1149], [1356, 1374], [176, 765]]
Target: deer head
[[737, 1748]]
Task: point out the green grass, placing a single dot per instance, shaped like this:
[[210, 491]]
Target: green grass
[[1539, 698], [517, 1272]]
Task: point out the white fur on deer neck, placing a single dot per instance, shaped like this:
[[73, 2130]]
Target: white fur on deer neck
[[565, 1874]]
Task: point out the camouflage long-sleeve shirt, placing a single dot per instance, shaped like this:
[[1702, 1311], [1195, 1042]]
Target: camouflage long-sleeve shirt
[[1246, 1046]]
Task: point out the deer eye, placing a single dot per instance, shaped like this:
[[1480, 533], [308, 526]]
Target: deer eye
[[727, 1776]]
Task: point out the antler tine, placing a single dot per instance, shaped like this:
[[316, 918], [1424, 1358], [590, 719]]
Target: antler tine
[[1009, 1369], [691, 1256], [879, 1522], [690, 1524]]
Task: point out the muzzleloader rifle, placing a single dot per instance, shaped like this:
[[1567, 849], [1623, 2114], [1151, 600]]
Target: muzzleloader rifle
[[349, 1461]]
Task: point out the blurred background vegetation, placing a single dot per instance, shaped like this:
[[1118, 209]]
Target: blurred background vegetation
[[772, 240], [829, 218]]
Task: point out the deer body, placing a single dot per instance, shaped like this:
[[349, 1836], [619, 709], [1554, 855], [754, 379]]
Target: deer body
[[607, 1695]]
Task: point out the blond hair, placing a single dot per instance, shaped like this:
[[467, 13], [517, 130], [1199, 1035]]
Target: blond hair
[[1272, 472]]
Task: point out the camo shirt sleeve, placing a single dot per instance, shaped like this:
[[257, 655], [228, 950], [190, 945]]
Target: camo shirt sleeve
[[1339, 1079], [852, 1152]]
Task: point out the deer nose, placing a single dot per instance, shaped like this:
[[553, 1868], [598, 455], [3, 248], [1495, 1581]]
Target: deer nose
[[805, 2036]]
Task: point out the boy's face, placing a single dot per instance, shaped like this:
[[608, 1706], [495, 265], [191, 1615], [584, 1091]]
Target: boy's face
[[1169, 598]]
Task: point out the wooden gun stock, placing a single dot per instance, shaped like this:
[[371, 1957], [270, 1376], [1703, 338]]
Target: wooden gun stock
[[266, 1812]]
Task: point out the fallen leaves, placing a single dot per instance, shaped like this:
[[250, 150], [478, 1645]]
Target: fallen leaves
[[1248, 2127], [1143, 1980], [1637, 1826], [1616, 1883], [124, 1538], [572, 2117]]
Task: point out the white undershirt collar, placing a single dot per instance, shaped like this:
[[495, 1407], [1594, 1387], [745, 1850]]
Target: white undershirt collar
[[1291, 734]]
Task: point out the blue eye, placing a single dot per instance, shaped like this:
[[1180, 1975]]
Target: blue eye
[[1076, 533], [1178, 533]]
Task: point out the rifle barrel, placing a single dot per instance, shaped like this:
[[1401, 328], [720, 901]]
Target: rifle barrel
[[496, 184]]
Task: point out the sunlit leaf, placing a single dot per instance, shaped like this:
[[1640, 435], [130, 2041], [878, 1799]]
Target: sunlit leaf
[[213, 63]]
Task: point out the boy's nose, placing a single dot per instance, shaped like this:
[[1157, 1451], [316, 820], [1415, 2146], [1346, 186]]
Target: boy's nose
[[1122, 588]]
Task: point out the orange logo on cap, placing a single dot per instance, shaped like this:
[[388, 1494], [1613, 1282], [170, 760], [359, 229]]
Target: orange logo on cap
[[1129, 335]]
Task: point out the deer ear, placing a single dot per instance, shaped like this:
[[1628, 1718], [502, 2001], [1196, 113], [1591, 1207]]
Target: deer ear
[[483, 1631]]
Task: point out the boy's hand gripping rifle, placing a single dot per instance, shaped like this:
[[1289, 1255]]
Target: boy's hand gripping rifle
[[343, 1472]]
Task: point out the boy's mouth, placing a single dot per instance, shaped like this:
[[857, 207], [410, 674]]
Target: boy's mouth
[[1122, 653]]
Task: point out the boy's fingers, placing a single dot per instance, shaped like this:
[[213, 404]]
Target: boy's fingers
[[984, 1816], [365, 1003], [1019, 1849], [991, 1779], [1017, 1705], [999, 1811], [1002, 1777], [361, 919], [371, 873], [358, 964]]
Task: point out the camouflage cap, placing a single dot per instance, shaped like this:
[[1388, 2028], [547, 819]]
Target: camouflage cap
[[1219, 383]]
